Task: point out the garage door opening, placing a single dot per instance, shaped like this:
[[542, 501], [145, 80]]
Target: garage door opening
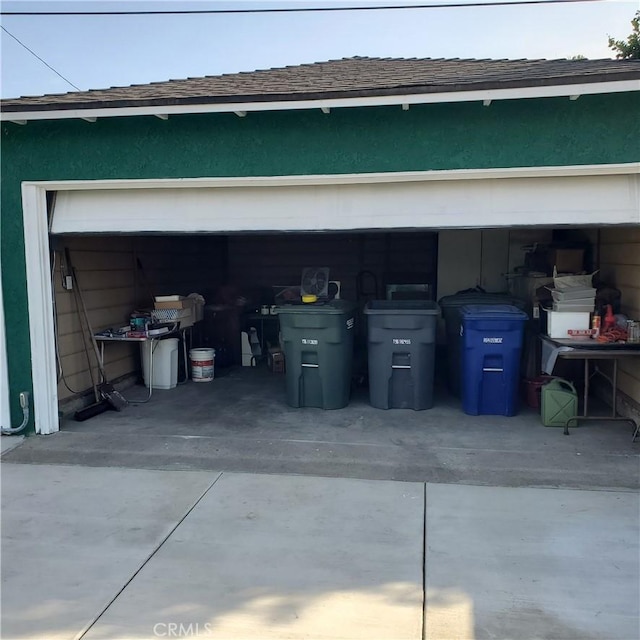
[[238, 278]]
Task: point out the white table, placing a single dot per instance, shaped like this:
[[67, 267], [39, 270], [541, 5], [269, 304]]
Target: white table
[[123, 338]]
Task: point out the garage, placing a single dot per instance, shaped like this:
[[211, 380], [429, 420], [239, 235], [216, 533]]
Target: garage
[[407, 187], [123, 272]]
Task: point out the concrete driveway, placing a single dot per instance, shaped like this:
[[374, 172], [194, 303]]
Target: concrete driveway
[[113, 553]]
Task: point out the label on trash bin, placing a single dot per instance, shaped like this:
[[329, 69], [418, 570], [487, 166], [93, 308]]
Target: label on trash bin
[[492, 340], [350, 323], [309, 341], [401, 341]]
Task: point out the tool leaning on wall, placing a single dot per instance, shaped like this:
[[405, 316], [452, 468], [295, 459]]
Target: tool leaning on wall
[[104, 388]]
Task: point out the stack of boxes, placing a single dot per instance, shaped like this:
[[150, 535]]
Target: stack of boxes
[[177, 308], [570, 315]]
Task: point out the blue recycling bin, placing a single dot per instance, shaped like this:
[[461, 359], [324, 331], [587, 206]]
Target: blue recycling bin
[[451, 312], [492, 337]]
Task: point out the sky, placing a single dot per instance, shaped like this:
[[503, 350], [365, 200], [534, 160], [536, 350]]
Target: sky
[[95, 52]]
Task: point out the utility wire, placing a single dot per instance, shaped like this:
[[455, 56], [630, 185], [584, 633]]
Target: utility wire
[[44, 62], [147, 12]]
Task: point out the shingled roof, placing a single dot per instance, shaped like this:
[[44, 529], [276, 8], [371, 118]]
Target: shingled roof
[[346, 78]]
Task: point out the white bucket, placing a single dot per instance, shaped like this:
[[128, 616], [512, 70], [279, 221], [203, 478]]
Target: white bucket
[[202, 363]]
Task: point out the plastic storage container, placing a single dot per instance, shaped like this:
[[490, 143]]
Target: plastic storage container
[[560, 322], [492, 339], [165, 362], [451, 306], [559, 403], [318, 348], [401, 350]]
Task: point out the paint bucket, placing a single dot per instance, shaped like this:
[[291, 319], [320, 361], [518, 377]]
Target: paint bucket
[[202, 364]]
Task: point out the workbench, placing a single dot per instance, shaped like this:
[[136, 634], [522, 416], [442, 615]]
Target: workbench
[[589, 350]]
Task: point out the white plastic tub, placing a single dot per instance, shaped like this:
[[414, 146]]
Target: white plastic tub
[[165, 362], [559, 322]]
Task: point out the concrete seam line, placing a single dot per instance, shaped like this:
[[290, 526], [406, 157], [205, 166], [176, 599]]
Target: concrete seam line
[[424, 561], [141, 567]]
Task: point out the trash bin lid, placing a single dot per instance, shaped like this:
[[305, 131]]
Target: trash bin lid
[[320, 307], [492, 312], [477, 297], [402, 307]]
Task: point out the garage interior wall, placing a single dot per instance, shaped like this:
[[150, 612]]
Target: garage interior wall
[[620, 265], [113, 285], [279, 259]]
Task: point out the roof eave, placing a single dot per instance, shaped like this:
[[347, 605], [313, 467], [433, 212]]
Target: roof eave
[[391, 97]]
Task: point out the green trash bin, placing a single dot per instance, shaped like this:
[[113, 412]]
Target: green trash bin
[[401, 349], [318, 351]]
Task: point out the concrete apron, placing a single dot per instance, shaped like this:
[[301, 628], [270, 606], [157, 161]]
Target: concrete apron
[[109, 553]]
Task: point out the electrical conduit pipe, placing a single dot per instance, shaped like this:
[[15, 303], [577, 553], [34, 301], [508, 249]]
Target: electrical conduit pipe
[[24, 403]]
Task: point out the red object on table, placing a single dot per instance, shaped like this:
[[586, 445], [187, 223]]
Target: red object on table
[[609, 318]]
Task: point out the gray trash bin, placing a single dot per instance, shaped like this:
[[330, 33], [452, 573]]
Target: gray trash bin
[[318, 351], [401, 349], [451, 306]]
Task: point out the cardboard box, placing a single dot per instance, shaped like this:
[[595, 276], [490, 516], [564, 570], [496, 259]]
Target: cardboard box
[[566, 260], [183, 303], [275, 360]]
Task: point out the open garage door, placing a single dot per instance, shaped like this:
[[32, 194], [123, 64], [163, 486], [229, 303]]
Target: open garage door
[[426, 200]]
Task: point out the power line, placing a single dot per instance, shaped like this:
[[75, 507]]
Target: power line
[[147, 12], [44, 62]]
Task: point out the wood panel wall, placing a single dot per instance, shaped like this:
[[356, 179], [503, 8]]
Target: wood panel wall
[[620, 265], [113, 285]]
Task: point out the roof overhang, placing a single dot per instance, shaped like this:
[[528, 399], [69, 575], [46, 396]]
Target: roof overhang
[[485, 96]]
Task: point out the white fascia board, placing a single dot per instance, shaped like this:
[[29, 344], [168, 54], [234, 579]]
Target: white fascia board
[[374, 101], [346, 178]]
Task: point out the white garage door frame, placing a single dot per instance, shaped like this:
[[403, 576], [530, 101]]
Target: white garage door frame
[[538, 196]]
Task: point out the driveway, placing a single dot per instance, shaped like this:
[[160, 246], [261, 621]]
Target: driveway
[[115, 553]]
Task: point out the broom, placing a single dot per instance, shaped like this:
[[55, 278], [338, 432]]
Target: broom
[[106, 390]]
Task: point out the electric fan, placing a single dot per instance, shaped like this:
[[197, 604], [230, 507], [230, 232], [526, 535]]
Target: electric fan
[[315, 281]]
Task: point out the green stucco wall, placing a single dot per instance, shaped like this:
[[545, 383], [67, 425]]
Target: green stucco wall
[[555, 131]]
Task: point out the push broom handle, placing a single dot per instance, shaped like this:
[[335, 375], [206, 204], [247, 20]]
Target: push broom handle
[[96, 350]]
